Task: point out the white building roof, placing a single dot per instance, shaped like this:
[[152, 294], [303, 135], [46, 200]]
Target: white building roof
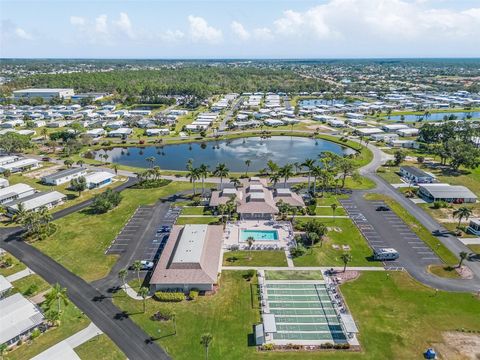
[[98, 177], [17, 315], [19, 164], [190, 245], [37, 200], [15, 189], [4, 284]]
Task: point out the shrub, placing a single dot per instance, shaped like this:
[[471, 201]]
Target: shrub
[[167, 296], [35, 333], [162, 315], [32, 289], [106, 201], [311, 210], [440, 204], [249, 275], [297, 251], [326, 346], [268, 347], [151, 184], [193, 294]]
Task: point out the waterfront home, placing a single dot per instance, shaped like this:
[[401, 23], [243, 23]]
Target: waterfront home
[[98, 179], [191, 259]]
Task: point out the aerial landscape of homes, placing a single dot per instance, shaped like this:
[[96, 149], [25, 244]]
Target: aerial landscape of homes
[[299, 208]]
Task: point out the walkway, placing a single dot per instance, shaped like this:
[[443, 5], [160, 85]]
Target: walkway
[[305, 268], [133, 293], [64, 349], [20, 275]]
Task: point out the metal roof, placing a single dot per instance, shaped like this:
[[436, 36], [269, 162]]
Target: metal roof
[[14, 190], [64, 173], [415, 171], [349, 323], [446, 191], [37, 200], [190, 246], [98, 177]]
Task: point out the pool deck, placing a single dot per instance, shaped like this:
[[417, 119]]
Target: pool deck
[[232, 235]]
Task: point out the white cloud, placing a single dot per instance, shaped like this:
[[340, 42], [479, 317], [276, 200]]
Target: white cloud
[[263, 33], [200, 31], [239, 30], [125, 25], [10, 31], [77, 20], [172, 35]]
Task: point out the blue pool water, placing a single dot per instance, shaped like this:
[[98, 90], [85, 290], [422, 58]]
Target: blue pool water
[[259, 235]]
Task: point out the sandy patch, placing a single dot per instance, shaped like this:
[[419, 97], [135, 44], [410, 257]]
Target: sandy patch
[[458, 346], [37, 174]]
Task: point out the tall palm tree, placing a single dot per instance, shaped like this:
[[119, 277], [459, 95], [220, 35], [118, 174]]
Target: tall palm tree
[[248, 162], [19, 214], [346, 258], [274, 178], [463, 256], [309, 164], [150, 160], [461, 213], [221, 171], [316, 172], [58, 294], [203, 172], [193, 175], [137, 266], [122, 274], [272, 167], [143, 292], [206, 339], [156, 172], [286, 172], [334, 208]]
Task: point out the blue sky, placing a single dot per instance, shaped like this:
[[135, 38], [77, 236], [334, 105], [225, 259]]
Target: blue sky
[[239, 29]]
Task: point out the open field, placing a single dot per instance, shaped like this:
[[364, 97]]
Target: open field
[[341, 232], [81, 239], [255, 258], [444, 271], [197, 220], [30, 285], [387, 310], [99, 348], [436, 246]]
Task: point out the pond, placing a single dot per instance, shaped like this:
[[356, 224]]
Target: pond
[[436, 116], [234, 153]]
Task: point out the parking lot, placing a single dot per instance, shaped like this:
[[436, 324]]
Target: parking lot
[[384, 229]]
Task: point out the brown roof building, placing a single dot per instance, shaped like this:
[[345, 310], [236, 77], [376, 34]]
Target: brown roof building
[[191, 259]]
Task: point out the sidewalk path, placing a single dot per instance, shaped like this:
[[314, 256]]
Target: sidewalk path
[[324, 268], [64, 349], [20, 275], [289, 259], [133, 293]]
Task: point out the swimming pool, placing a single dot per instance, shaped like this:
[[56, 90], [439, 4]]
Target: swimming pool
[[259, 235]]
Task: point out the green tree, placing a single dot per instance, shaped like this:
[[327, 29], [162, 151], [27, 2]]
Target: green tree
[[143, 292], [12, 142], [57, 295], [79, 184], [122, 274], [309, 164], [248, 162], [68, 163], [286, 172], [80, 163], [206, 339], [334, 208], [399, 157], [203, 173], [137, 266], [462, 213], [346, 258], [221, 171], [463, 256], [106, 201], [150, 160], [193, 174]]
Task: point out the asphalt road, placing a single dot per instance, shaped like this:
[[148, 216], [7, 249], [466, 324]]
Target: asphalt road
[[97, 305], [450, 241]]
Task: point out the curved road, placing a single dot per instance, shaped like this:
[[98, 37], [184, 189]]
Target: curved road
[[418, 271]]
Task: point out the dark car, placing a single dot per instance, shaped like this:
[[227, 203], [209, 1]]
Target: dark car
[[382, 208], [164, 229]]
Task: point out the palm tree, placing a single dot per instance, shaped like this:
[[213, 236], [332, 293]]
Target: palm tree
[[203, 172], [115, 168], [463, 256], [19, 214], [137, 266], [316, 172], [68, 163], [80, 163], [143, 292], [122, 274], [309, 164], [461, 213], [52, 316], [150, 160], [156, 172], [274, 178], [59, 295], [248, 162], [221, 171], [193, 175], [334, 207], [272, 167], [44, 133], [286, 172], [346, 258], [250, 241], [206, 339]]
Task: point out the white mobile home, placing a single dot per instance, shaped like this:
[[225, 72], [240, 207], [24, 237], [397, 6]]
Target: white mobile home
[[14, 192], [36, 201], [98, 179], [64, 176], [21, 165]]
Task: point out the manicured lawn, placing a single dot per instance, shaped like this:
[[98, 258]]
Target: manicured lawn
[[196, 210], [81, 239], [441, 250], [388, 312], [327, 211], [342, 232], [16, 265], [100, 348], [293, 275], [228, 315], [329, 199], [360, 183], [390, 174], [31, 285], [72, 321], [255, 258], [197, 220], [444, 271]]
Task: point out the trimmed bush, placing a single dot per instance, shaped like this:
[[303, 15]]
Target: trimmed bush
[[166, 296], [162, 315], [193, 294]]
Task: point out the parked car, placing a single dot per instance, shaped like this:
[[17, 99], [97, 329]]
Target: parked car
[[383, 254], [164, 229], [145, 265], [382, 208]]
